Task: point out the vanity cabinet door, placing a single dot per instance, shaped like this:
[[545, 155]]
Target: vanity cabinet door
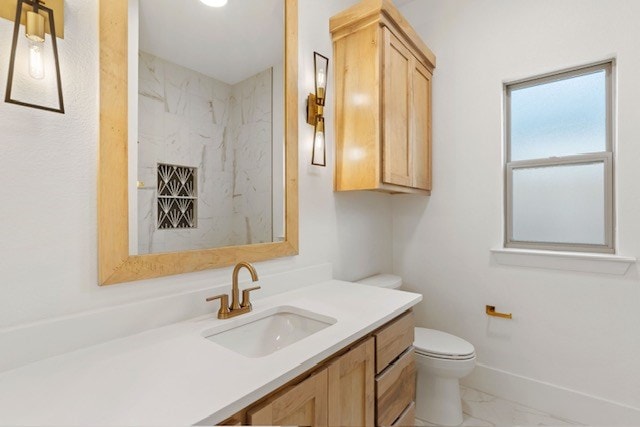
[[302, 404], [352, 387]]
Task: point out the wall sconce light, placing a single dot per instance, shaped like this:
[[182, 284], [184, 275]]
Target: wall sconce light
[[31, 68], [315, 109]]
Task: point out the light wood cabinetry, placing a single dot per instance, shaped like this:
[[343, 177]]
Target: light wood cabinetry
[[351, 387], [408, 417], [393, 340], [383, 101], [396, 389], [396, 368], [344, 390], [303, 404], [236, 420]]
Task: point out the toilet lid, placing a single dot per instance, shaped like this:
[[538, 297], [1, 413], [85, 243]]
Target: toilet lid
[[441, 344]]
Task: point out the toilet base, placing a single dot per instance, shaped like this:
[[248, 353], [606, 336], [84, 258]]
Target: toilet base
[[438, 401], [438, 389]]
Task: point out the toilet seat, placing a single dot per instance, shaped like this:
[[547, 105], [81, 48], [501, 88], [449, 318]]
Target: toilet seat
[[441, 345]]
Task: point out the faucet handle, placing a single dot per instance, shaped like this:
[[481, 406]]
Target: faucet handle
[[245, 296], [224, 305]]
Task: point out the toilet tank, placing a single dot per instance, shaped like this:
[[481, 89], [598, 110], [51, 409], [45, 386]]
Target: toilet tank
[[390, 281]]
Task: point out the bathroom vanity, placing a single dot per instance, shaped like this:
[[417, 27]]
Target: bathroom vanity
[[370, 382], [179, 375]]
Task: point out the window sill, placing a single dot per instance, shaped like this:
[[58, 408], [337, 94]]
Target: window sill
[[570, 261]]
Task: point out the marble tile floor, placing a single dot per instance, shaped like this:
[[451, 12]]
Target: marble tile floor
[[484, 410]]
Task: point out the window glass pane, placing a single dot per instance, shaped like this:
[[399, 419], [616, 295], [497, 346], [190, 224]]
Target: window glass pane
[[559, 204], [559, 118]]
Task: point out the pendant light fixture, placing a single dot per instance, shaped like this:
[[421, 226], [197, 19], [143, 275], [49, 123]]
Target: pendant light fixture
[[28, 66]]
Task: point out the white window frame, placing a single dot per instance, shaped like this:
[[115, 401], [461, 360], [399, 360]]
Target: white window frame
[[605, 157]]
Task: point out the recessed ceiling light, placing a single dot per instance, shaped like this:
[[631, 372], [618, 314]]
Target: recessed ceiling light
[[214, 3]]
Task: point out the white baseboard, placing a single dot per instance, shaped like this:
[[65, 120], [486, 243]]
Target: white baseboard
[[24, 344], [557, 401]]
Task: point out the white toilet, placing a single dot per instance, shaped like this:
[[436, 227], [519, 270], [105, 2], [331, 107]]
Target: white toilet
[[442, 359]]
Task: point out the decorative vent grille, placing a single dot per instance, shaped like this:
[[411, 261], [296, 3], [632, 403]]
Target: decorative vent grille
[[177, 197]]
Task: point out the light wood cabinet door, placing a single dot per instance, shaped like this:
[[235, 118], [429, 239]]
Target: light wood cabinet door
[[352, 387], [383, 101], [406, 117], [396, 111], [421, 126], [303, 404]]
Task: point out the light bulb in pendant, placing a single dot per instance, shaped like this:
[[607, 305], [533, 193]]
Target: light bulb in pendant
[[35, 34], [36, 60]]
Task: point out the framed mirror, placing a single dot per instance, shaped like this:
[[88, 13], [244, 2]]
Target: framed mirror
[[198, 136]]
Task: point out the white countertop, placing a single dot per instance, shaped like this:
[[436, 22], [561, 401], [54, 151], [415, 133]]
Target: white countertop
[[174, 376]]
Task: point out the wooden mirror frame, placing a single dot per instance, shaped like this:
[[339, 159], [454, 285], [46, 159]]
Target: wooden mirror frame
[[115, 264]]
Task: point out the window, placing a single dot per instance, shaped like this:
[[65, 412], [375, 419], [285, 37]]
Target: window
[[559, 161]]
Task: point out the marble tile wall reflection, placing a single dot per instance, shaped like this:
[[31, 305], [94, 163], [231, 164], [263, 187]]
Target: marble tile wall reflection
[[224, 131], [250, 136]]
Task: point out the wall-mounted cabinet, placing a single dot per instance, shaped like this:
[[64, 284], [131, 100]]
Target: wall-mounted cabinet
[[383, 74]]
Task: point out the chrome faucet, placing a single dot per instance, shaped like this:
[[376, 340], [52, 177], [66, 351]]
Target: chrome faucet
[[237, 307]]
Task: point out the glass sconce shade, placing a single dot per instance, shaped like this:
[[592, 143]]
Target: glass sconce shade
[[321, 64], [28, 59], [315, 109], [319, 155]]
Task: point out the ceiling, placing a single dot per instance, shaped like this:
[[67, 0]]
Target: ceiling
[[229, 43]]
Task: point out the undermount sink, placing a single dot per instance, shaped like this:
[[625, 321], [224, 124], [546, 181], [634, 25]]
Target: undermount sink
[[265, 333]]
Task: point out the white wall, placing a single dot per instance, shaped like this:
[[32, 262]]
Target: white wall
[[48, 255], [573, 330]]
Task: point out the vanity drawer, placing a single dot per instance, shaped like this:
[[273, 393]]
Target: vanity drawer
[[396, 389], [408, 417], [394, 339]]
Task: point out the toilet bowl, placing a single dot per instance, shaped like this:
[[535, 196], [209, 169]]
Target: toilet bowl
[[442, 360]]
